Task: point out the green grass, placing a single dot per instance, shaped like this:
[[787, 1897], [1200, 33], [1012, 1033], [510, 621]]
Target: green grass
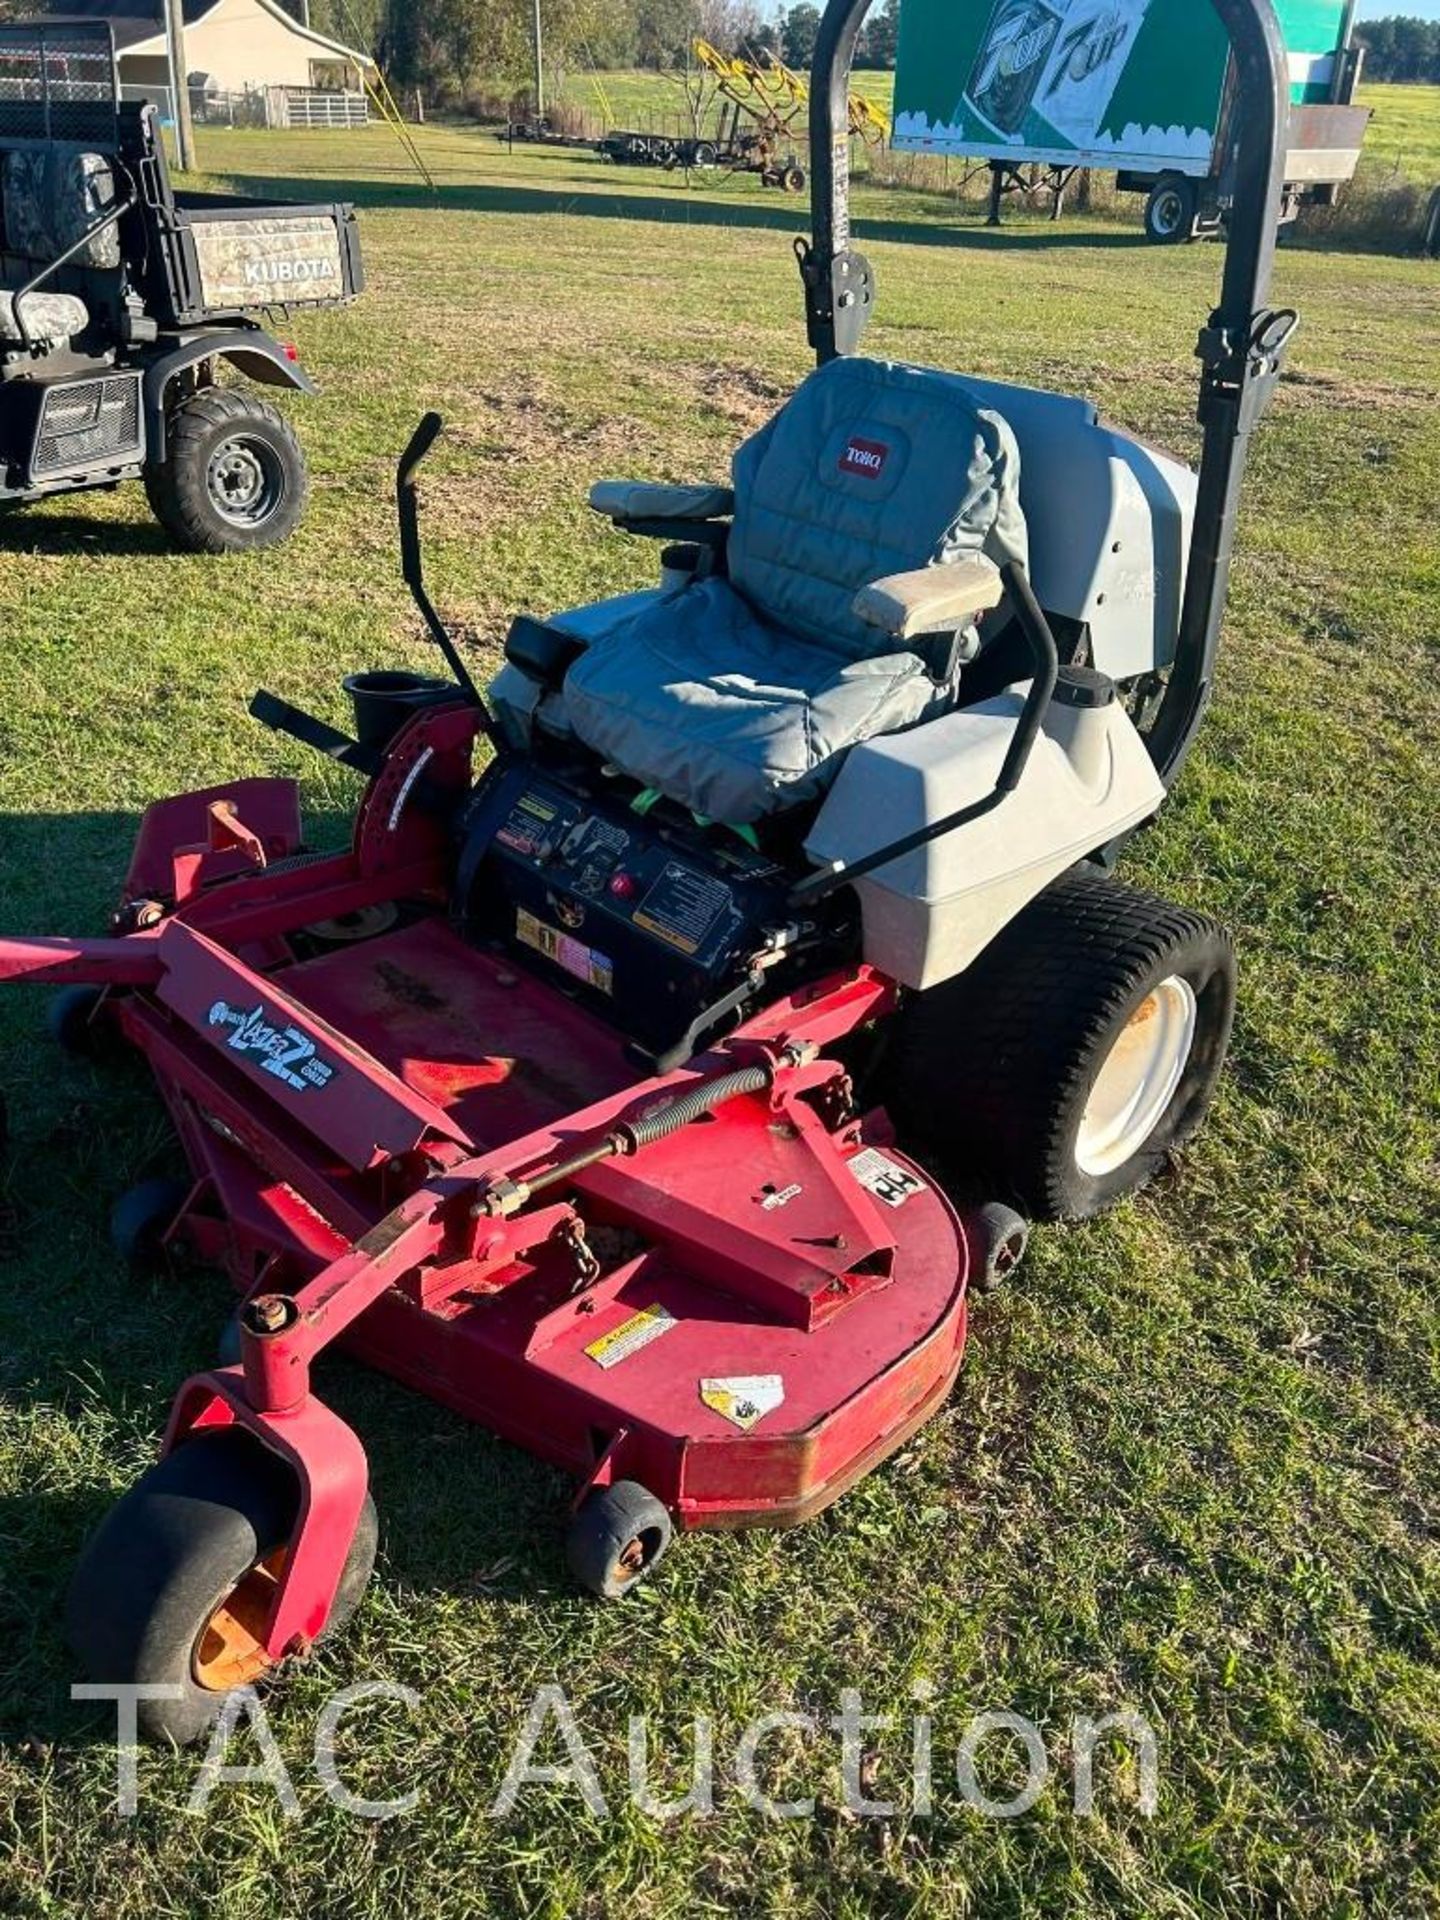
[[1405, 132], [1191, 1466]]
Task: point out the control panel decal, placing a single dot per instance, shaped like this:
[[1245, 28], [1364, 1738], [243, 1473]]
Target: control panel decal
[[683, 906], [583, 963]]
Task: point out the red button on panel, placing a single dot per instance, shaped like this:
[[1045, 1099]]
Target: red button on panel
[[622, 885]]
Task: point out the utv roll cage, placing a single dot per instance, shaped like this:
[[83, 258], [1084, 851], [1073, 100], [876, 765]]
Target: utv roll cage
[[1241, 350]]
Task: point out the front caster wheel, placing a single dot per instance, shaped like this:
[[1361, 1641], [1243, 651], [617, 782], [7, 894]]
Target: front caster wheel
[[617, 1538], [140, 1220], [70, 1019], [1002, 1237], [173, 1588]]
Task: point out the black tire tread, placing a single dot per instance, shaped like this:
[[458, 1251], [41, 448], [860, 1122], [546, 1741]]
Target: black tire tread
[[605, 1523], [175, 486], [1084, 943], [169, 1550]]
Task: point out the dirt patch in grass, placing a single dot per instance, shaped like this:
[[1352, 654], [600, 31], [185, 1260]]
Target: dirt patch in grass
[[741, 394], [1328, 389]]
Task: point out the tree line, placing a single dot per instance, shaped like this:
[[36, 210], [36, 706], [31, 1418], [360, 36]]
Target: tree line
[[444, 45], [448, 46], [1401, 48]]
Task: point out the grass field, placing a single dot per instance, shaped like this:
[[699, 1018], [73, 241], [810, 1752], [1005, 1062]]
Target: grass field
[[1405, 133], [1191, 1467]]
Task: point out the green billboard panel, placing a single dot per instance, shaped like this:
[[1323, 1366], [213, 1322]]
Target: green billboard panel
[[1134, 84]]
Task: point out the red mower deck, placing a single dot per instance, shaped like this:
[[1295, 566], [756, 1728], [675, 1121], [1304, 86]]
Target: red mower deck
[[744, 1316]]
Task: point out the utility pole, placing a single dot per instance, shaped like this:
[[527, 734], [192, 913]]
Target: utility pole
[[180, 84], [539, 67]]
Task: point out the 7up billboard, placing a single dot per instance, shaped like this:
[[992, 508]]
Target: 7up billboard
[[1126, 84]]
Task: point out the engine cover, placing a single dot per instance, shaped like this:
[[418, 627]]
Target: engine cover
[[649, 922]]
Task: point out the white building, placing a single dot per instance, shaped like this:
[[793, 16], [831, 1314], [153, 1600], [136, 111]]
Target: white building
[[231, 47]]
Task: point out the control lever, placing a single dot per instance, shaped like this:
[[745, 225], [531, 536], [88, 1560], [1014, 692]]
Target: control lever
[[277, 714], [413, 567]]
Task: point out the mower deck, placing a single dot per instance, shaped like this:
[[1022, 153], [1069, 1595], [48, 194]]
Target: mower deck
[[761, 1257], [392, 1129]]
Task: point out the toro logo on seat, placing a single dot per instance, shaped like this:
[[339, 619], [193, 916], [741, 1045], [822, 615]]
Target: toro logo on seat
[[865, 457], [285, 1052]]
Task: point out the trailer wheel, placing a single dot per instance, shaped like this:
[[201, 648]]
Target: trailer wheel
[[1075, 1054], [793, 179], [617, 1538], [1171, 210], [141, 1218], [172, 1587], [233, 477]]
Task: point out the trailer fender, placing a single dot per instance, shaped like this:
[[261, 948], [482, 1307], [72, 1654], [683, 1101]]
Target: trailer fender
[[255, 355]]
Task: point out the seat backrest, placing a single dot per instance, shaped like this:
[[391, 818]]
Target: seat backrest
[[1110, 521], [54, 194], [870, 469]]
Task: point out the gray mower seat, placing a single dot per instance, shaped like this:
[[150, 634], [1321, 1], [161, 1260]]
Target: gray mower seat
[[52, 319], [740, 697]]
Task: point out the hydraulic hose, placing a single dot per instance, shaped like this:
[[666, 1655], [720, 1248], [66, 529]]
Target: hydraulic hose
[[508, 1197]]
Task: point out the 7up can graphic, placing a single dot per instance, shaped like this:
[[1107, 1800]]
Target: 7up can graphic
[[1012, 58]]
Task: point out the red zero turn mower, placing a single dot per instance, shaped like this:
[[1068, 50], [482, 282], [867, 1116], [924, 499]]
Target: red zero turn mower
[[562, 1095]]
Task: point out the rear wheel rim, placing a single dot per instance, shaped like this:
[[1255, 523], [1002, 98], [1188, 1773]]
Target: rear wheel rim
[[230, 1648], [245, 481], [1139, 1078], [1169, 213]]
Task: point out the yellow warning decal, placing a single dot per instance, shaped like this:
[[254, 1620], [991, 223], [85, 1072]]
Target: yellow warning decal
[[744, 1399], [630, 1336]]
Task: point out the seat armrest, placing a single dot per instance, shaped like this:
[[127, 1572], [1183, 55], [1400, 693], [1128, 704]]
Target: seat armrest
[[629, 500], [541, 653], [932, 599]]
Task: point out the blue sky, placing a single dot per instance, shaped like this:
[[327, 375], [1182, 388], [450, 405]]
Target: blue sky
[[1415, 9]]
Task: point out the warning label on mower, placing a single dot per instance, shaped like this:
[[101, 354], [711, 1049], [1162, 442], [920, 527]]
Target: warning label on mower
[[890, 1183], [630, 1336], [596, 969], [745, 1399]]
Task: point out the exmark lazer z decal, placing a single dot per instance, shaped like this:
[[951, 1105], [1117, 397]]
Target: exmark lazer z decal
[[285, 1052]]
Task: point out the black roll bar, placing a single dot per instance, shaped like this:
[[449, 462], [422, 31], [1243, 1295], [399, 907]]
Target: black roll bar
[[1241, 350]]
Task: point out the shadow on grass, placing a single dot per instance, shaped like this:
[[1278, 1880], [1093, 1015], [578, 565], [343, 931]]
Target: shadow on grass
[[63, 535], [683, 210]]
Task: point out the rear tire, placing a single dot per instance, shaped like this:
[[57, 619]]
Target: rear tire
[[233, 478], [1079, 1051], [180, 1544]]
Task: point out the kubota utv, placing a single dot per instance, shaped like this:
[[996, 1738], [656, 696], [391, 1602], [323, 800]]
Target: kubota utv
[[581, 1091], [122, 303]]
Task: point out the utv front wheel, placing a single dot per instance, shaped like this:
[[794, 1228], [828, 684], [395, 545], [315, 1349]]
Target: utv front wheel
[[172, 1590], [1075, 1054], [233, 477]]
